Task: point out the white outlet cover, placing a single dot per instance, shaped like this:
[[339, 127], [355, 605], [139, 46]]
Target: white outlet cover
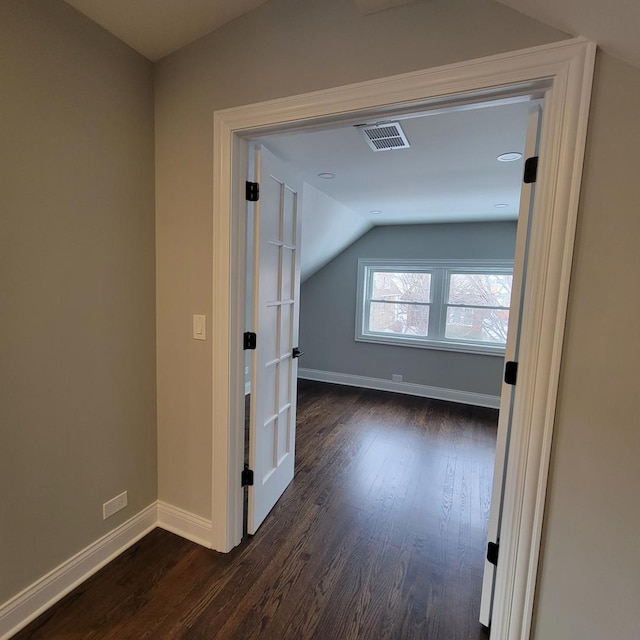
[[114, 505]]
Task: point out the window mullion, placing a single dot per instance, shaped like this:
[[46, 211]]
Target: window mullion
[[436, 318]]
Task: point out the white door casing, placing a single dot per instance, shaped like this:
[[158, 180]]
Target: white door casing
[[563, 73], [511, 354], [276, 286]]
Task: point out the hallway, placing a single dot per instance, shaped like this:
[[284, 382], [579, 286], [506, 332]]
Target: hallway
[[381, 535]]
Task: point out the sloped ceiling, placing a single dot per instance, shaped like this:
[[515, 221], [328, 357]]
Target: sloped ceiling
[[450, 172], [613, 24], [156, 28]]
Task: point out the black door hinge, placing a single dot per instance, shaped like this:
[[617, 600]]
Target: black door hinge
[[510, 372], [247, 476], [252, 191], [492, 552], [249, 341], [530, 170]]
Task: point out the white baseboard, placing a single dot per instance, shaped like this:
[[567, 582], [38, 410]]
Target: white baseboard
[[18, 612], [247, 387], [42, 594], [409, 388], [185, 524]]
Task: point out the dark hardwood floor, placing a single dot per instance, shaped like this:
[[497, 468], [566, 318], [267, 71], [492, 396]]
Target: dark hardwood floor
[[381, 535]]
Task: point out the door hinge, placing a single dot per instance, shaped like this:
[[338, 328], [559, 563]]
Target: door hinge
[[530, 170], [510, 372], [492, 552], [249, 341], [247, 476], [252, 191]]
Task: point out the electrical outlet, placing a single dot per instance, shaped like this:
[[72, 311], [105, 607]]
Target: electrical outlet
[[114, 505], [396, 377]]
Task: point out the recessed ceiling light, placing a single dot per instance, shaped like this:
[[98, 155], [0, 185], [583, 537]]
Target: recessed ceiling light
[[500, 205], [375, 212], [511, 156], [327, 175]]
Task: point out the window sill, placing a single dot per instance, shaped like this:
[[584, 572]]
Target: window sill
[[461, 347]]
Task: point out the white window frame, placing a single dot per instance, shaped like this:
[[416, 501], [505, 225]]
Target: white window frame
[[440, 271]]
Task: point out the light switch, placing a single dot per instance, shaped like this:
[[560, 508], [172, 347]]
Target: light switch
[[199, 327]]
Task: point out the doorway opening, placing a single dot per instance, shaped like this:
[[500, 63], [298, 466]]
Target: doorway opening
[[445, 248], [562, 72]]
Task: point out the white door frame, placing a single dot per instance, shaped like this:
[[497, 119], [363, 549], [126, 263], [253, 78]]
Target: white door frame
[[563, 72]]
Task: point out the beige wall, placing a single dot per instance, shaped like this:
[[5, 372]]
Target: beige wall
[[77, 364], [284, 47], [589, 583]]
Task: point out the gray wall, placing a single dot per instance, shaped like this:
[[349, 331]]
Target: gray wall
[[328, 308], [77, 305]]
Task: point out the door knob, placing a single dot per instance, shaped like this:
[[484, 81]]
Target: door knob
[[297, 352]]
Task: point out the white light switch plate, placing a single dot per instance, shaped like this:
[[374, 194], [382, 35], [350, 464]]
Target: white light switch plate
[[199, 327]]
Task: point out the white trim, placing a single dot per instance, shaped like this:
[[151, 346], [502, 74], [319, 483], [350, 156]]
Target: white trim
[[247, 387], [18, 612], [184, 524], [563, 72], [408, 388]]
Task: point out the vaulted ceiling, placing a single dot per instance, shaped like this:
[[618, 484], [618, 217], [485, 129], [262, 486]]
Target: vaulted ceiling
[[157, 28], [467, 181]]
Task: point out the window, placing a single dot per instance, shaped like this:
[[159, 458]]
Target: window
[[456, 305]]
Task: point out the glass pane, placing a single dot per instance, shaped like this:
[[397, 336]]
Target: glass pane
[[269, 326], [269, 272], [270, 201], [289, 217], [269, 392], [288, 272], [284, 386], [286, 329], [481, 289], [401, 287], [478, 325], [399, 319]]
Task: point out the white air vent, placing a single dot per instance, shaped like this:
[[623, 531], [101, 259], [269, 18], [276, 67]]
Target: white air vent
[[384, 136]]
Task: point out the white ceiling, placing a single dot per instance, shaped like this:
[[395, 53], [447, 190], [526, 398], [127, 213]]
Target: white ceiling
[[158, 27], [449, 174]]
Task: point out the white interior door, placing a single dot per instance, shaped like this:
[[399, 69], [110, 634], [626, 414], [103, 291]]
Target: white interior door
[[511, 354], [274, 370]]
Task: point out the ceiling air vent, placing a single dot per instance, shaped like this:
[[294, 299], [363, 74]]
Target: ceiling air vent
[[384, 136]]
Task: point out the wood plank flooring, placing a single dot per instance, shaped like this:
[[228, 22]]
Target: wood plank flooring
[[381, 536]]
